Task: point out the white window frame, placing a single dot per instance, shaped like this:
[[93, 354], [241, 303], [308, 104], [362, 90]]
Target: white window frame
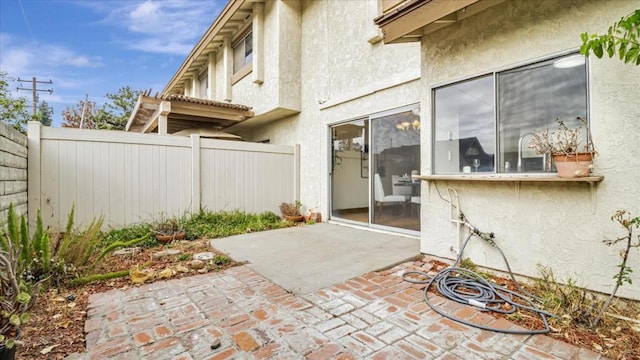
[[241, 70]]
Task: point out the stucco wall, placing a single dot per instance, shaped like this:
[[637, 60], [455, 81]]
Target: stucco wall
[[281, 86], [13, 171], [556, 225], [343, 77]]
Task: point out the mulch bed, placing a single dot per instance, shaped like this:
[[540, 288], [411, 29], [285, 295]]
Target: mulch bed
[[56, 327]]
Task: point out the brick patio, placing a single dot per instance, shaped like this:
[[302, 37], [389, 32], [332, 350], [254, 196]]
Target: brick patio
[[374, 316]]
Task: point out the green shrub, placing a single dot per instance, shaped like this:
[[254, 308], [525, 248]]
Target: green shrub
[[33, 253], [206, 224], [131, 232]]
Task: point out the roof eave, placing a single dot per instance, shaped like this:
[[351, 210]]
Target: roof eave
[[225, 15], [411, 20]]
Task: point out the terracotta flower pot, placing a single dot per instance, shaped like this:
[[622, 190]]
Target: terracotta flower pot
[[164, 239], [294, 218], [573, 165]]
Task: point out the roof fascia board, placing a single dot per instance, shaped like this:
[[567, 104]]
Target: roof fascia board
[[202, 111], [134, 112], [418, 16], [229, 10]]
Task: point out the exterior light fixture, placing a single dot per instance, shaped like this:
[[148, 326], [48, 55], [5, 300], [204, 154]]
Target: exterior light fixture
[[569, 62]]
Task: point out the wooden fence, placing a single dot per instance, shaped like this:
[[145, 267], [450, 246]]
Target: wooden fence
[[129, 178]]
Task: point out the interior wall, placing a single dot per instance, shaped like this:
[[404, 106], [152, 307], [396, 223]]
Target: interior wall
[[354, 189]]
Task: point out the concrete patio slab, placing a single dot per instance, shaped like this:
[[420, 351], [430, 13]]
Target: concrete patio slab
[[302, 259]]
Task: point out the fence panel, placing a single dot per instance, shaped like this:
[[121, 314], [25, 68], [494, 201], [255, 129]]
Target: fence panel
[[254, 180], [129, 178]]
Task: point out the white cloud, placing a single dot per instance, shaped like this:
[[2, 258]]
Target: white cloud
[[168, 26], [20, 57], [81, 61]]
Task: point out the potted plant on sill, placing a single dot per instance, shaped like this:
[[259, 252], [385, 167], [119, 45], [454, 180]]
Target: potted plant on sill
[[15, 300], [291, 211], [167, 230], [564, 147]]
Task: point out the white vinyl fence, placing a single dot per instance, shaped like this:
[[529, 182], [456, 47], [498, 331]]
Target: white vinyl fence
[[129, 178]]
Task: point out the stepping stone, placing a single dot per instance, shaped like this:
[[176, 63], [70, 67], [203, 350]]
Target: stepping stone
[[196, 264], [126, 251], [204, 256], [166, 253]]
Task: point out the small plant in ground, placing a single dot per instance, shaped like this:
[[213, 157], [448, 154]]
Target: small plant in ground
[[184, 257], [572, 305], [15, 298], [34, 257], [74, 248], [623, 276], [467, 263], [129, 233], [220, 259]]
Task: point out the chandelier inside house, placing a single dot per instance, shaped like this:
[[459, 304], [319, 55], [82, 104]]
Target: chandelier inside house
[[411, 125], [406, 125]]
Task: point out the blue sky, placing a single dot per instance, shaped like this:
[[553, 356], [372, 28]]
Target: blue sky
[[95, 47]]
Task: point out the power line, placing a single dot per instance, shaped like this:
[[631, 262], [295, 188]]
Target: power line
[[34, 91]]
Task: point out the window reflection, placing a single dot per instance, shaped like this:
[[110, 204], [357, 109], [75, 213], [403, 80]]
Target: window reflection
[[464, 127], [529, 98]]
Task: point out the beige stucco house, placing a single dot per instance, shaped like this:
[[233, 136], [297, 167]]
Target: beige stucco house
[[435, 89]]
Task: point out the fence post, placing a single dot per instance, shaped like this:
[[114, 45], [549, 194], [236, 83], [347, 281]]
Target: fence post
[[34, 129], [195, 173], [296, 172]]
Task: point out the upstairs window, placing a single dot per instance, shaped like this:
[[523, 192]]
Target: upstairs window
[[243, 52], [485, 124], [203, 85]]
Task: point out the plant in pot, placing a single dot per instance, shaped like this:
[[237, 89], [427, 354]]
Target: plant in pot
[[564, 146], [15, 299], [168, 229], [291, 211]]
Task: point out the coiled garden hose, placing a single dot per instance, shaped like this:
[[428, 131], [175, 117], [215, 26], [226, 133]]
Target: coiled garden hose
[[469, 288]]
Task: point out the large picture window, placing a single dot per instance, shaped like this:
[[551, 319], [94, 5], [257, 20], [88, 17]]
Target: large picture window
[[501, 111]]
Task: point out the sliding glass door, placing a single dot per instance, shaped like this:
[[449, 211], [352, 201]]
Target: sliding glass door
[[395, 157], [371, 170], [350, 171]]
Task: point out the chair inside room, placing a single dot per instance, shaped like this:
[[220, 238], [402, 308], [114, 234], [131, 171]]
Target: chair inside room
[[382, 199], [415, 204], [405, 189]]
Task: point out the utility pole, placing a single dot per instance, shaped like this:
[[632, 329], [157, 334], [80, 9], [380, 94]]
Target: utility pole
[[34, 91]]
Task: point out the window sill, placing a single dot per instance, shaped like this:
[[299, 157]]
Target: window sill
[[246, 70], [511, 177], [517, 179]]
